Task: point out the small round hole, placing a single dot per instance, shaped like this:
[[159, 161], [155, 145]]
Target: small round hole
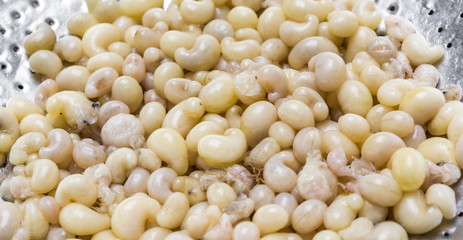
[[461, 15], [35, 3], [449, 45], [445, 234], [431, 12], [2, 66], [392, 8], [50, 21], [440, 29], [14, 48], [20, 87], [15, 15], [2, 31], [460, 214]]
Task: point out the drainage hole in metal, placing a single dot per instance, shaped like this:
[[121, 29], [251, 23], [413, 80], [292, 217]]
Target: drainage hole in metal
[[35, 3], [393, 8], [50, 21], [15, 15], [14, 48]]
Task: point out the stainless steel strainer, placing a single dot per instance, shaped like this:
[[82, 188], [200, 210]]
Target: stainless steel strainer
[[439, 21]]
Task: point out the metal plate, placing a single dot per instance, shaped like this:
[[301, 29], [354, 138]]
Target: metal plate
[[19, 18], [440, 22]]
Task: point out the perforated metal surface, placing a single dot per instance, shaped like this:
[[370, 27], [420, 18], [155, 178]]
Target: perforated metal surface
[[18, 19], [439, 21]]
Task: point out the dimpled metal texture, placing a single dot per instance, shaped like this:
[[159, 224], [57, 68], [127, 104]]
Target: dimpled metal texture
[[441, 22]]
